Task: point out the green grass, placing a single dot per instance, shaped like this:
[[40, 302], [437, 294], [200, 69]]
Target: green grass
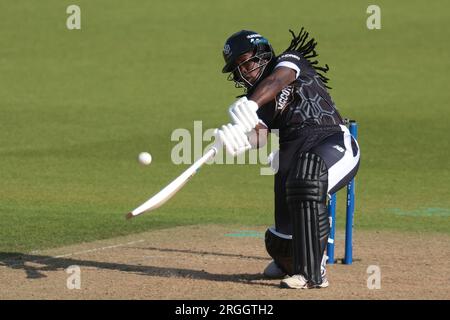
[[76, 108]]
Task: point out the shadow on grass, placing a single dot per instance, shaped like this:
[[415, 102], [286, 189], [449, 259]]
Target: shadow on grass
[[35, 265]]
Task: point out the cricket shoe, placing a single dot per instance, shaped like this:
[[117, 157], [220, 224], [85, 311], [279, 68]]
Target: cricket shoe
[[324, 283], [297, 281], [323, 273], [272, 271]]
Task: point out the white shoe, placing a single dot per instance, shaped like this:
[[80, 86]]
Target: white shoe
[[323, 273], [272, 271], [324, 283], [297, 281]]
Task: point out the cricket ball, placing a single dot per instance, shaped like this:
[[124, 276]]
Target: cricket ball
[[145, 158]]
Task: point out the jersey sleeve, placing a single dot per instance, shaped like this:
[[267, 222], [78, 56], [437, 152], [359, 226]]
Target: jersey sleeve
[[292, 60]]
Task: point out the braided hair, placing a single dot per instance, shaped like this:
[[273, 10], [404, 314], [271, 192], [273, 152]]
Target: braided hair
[[306, 48]]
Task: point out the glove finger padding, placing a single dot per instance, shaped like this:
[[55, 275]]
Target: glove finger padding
[[250, 113], [235, 118], [239, 135], [229, 138], [234, 139], [243, 113], [247, 115], [226, 142], [245, 124]]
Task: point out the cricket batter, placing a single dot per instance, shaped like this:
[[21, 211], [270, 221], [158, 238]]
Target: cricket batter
[[317, 155]]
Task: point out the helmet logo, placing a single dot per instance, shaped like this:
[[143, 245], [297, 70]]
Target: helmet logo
[[226, 49], [259, 40]]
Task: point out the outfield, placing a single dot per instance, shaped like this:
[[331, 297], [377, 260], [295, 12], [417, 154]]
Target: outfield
[[76, 108]]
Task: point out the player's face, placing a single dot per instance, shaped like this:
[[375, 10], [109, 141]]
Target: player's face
[[248, 67]]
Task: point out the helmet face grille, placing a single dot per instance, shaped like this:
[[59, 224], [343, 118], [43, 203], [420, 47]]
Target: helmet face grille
[[261, 60]]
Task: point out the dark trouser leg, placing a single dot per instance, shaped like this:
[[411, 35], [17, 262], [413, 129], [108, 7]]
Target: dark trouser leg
[[306, 191]]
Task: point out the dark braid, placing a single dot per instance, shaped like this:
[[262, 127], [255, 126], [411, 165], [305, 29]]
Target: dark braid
[[306, 48]]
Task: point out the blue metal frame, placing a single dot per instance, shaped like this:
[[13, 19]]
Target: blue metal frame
[[348, 258], [332, 216]]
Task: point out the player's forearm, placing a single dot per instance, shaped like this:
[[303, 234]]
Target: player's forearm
[[268, 89]]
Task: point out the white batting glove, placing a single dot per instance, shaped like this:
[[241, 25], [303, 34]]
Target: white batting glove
[[243, 113], [233, 138]]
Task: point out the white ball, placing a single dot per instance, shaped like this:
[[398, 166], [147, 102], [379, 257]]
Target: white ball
[[145, 158]]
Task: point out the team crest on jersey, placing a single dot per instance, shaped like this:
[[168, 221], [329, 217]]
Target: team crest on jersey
[[285, 97]]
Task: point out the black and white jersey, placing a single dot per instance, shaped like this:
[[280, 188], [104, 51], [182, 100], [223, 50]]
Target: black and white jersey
[[303, 103]]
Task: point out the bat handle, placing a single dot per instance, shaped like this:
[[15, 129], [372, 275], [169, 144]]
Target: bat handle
[[216, 147]]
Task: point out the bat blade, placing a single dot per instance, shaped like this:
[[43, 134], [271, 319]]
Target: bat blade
[[172, 188]]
